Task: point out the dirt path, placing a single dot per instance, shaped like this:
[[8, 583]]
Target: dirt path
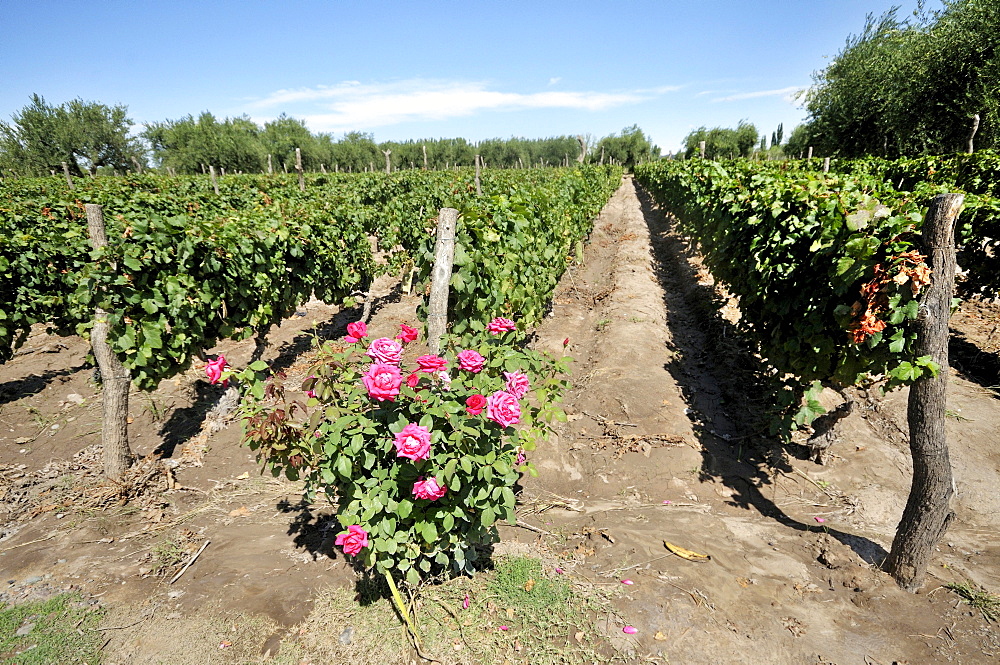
[[658, 447], [655, 451]]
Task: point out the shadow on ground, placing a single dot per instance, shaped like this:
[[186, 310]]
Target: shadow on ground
[[727, 387]]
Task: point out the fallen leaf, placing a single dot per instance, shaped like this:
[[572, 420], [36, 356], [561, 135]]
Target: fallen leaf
[[243, 476], [529, 585], [659, 636], [686, 553], [242, 511], [579, 636]]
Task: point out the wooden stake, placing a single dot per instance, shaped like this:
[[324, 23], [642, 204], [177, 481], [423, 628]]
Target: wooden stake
[[322, 167], [215, 184], [701, 148], [192, 560], [479, 189], [444, 254], [425, 156], [69, 178], [826, 165], [388, 162], [928, 513], [810, 155], [115, 378], [270, 168], [298, 167]]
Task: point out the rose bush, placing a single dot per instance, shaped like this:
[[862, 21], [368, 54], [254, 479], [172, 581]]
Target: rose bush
[[420, 456]]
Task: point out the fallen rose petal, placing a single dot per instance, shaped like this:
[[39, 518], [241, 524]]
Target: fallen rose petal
[[465, 603], [504, 627], [628, 582], [819, 519], [629, 630], [560, 571], [667, 503]]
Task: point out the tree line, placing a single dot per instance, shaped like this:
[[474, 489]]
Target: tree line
[[91, 138]]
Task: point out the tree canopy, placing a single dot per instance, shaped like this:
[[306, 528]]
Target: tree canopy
[[722, 142], [85, 135], [912, 86]]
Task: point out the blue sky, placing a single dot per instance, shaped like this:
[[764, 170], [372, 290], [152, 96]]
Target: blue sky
[[434, 69]]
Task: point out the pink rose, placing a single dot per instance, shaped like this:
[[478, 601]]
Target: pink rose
[[356, 332], [412, 380], [521, 457], [414, 443], [500, 325], [214, 369], [471, 361], [355, 540], [408, 334], [517, 384], [382, 381], [431, 363], [503, 409], [428, 489], [385, 350], [475, 404]]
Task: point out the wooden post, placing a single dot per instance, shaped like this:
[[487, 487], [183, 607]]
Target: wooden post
[[298, 167], [972, 134], [222, 171], [520, 162], [826, 165], [322, 167], [284, 167], [479, 189], [701, 148], [444, 254], [425, 156], [810, 156], [69, 178], [388, 162], [215, 184], [270, 168], [602, 156], [928, 513], [203, 171], [114, 376], [583, 149], [371, 167]]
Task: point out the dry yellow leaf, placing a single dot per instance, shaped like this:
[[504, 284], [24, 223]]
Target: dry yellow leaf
[[659, 636], [242, 511], [529, 585]]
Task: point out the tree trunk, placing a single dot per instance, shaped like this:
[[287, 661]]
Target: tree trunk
[[114, 376], [928, 513], [972, 134]]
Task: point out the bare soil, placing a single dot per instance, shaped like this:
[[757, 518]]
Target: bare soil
[[661, 445]]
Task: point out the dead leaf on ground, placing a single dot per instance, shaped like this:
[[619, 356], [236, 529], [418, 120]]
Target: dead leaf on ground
[[242, 511], [659, 637], [686, 553]]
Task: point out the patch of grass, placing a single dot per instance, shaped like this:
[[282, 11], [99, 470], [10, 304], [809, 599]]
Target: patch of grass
[[546, 622], [167, 555], [602, 324], [982, 600], [62, 632]]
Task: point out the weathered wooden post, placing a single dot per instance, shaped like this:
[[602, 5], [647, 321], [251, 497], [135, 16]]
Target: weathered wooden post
[[388, 162], [322, 168], [583, 148], [425, 156], [701, 149], [810, 155], [444, 254], [222, 171], [270, 167], [928, 511], [215, 183], [298, 167], [69, 178], [115, 377], [826, 165], [479, 189]]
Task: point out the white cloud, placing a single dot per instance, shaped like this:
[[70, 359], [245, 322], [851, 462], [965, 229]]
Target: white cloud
[[554, 80], [789, 94], [352, 105]]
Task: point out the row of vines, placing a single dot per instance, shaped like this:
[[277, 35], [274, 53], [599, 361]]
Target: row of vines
[[827, 266], [185, 267]]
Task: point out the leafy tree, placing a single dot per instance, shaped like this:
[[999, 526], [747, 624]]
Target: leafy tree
[[85, 135], [281, 137], [912, 86], [187, 144], [799, 141], [630, 147], [722, 142]]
